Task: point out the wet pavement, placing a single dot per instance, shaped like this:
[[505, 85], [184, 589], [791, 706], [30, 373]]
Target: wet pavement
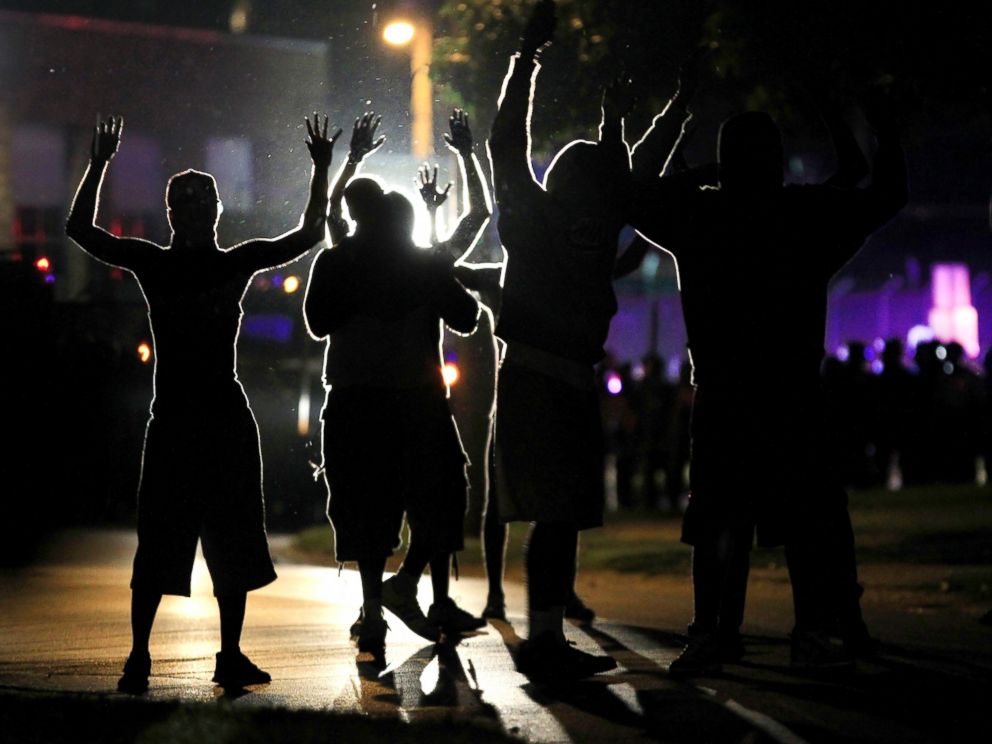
[[64, 629]]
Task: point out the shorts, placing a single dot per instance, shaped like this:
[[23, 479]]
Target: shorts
[[756, 462], [388, 451], [550, 452], [201, 478]]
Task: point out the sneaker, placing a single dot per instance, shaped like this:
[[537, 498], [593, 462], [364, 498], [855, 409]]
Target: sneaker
[[356, 627], [234, 670], [372, 636], [576, 609], [701, 655], [814, 650], [399, 596], [452, 619], [134, 681], [548, 659], [495, 608]]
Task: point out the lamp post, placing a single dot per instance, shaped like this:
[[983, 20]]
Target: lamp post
[[410, 27]]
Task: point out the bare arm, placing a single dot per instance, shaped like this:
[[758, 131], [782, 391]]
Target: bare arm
[[471, 223], [266, 253], [852, 165], [81, 225], [651, 153], [509, 142], [363, 144]]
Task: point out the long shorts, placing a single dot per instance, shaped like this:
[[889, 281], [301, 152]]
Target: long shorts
[[549, 450], [757, 460], [201, 478], [388, 451]]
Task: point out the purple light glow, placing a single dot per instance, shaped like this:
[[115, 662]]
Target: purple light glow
[[953, 317]]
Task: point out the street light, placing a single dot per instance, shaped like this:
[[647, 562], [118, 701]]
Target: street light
[[406, 24]]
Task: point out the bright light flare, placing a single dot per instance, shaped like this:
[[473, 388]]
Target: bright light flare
[[144, 352], [614, 384], [43, 264], [290, 284], [398, 33], [450, 374]]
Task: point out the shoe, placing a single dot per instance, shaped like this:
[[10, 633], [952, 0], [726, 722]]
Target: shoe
[[495, 608], [812, 650], [549, 659], [372, 636], [235, 670], [452, 619], [731, 648], [134, 681], [399, 596], [576, 609], [356, 627], [701, 655]]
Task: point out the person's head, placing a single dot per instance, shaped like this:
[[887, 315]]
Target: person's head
[[589, 176], [364, 199], [750, 153], [400, 215], [193, 204]]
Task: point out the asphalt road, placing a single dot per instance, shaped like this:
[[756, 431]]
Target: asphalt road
[[64, 629]]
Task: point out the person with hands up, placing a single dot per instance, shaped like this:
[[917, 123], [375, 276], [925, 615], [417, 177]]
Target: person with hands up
[[390, 445], [201, 472]]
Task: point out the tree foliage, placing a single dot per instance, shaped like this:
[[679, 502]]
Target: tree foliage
[[929, 61]]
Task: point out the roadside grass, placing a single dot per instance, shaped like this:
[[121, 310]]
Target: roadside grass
[[947, 526]]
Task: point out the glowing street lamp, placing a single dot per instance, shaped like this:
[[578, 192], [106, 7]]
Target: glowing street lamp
[[398, 33], [406, 25]]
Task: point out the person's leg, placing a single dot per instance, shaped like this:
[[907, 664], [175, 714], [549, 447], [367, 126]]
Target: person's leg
[[494, 534], [701, 655], [144, 606], [734, 594], [441, 576], [232, 619], [550, 566], [372, 629]]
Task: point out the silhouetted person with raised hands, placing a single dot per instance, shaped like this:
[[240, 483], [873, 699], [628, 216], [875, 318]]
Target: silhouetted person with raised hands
[[558, 298], [201, 474], [755, 259], [390, 443]]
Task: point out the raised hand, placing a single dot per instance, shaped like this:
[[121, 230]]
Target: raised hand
[[460, 139], [320, 146], [428, 189], [540, 29], [363, 141], [106, 138]]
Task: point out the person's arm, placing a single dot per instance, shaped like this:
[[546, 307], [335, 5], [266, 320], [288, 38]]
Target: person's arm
[[267, 253], [329, 297], [852, 165], [509, 142], [630, 260], [127, 253], [471, 223], [457, 308], [363, 144], [650, 154]]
